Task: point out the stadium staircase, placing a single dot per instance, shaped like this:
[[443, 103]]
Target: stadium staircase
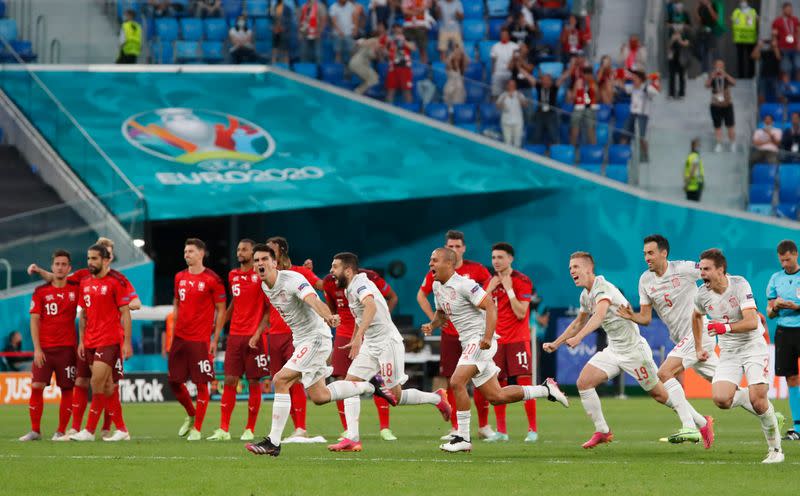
[[86, 34], [23, 189]]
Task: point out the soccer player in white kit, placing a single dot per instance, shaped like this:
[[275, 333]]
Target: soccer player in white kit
[[733, 317], [473, 314], [375, 348], [310, 321], [627, 350], [670, 287]]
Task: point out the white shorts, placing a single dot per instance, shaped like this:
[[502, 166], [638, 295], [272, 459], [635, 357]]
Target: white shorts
[[685, 352], [636, 362], [310, 358], [472, 354], [386, 357], [752, 360]]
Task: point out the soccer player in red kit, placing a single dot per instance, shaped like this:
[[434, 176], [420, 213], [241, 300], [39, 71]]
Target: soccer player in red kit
[[512, 292], [53, 309], [105, 339], [245, 352], [450, 347], [280, 336], [199, 294], [340, 359]]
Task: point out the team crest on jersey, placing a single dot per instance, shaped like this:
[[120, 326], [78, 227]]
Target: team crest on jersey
[[652, 289], [72, 296], [449, 293], [254, 278], [103, 289], [676, 282], [86, 289], [33, 304], [201, 286], [733, 301]]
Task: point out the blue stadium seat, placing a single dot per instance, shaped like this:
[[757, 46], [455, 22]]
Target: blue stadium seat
[[617, 172], [262, 28], [2, 8], [553, 68], [167, 29], [619, 154], [437, 111], [495, 25], [787, 210], [231, 9], [377, 92], [773, 109], [468, 126], [760, 209], [191, 29], [257, 8], [410, 106], [761, 193], [490, 116], [331, 72], [621, 112], [8, 29], [791, 109], [789, 179], [593, 168], [563, 153], [212, 52], [792, 92], [474, 71], [537, 149], [473, 30], [497, 8], [764, 174], [439, 74], [23, 48], [603, 112], [601, 133], [383, 70], [264, 47], [473, 9], [551, 32], [592, 154], [464, 112], [485, 51], [187, 51], [306, 69], [215, 29], [282, 65], [476, 91], [419, 71]]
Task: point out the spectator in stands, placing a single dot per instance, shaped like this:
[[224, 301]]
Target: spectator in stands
[[786, 36], [766, 141], [584, 99], [399, 76], [450, 14], [312, 22], [343, 28], [605, 81], [14, 345], [525, 8], [501, 54], [130, 39], [367, 50], [381, 12], [208, 8], [678, 59], [454, 91], [160, 8], [642, 93], [572, 40], [790, 141], [676, 14], [240, 37], [744, 20], [359, 19], [281, 31], [557, 9], [720, 83], [545, 119], [521, 69], [415, 25], [712, 26], [511, 103], [693, 173], [767, 52], [632, 54], [520, 31]]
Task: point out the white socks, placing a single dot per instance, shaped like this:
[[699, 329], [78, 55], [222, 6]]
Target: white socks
[[417, 397], [769, 425], [280, 414], [463, 419], [591, 403], [352, 410], [532, 392], [677, 400], [345, 389], [742, 398]]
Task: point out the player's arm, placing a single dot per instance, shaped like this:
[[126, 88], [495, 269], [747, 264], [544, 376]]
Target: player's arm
[[175, 310], [392, 299], [125, 319], [697, 333], [519, 307], [571, 330], [263, 325], [643, 317], [218, 325], [748, 323], [437, 320], [135, 303], [81, 331], [38, 354], [594, 323], [322, 309], [229, 312], [425, 305], [487, 305], [370, 309], [44, 274]]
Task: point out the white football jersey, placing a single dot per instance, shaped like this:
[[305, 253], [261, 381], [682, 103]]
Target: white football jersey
[[727, 307], [287, 297], [459, 298], [381, 326], [622, 333], [672, 296]]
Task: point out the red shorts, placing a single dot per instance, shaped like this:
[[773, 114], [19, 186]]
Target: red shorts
[[240, 358], [190, 360], [280, 350], [60, 360], [340, 359], [449, 353], [514, 359], [399, 78], [110, 355]]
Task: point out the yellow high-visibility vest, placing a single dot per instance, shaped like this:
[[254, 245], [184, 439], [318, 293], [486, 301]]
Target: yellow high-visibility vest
[[745, 29], [133, 38], [694, 182]]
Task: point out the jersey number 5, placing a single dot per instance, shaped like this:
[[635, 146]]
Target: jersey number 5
[[666, 298]]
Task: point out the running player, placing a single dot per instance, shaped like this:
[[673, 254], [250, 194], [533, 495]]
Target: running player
[[450, 347], [336, 299], [376, 347], [511, 291], [247, 314], [670, 287], [53, 309], [310, 321], [199, 294], [728, 303], [463, 302], [105, 339], [627, 350]]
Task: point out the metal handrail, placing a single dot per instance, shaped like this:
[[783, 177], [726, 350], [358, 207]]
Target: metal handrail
[[5, 263], [55, 48], [41, 35]]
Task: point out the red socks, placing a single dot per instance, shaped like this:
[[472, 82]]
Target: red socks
[[226, 404], [64, 410], [383, 411], [451, 398], [202, 406], [35, 408], [95, 409], [107, 414], [482, 406], [80, 396], [253, 405], [530, 405], [500, 414], [182, 395], [298, 395], [340, 407]]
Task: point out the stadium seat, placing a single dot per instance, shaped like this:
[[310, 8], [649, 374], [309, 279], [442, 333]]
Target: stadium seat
[[601, 133], [497, 8], [212, 52], [593, 168], [439, 74], [464, 112], [495, 25], [550, 30], [331, 72], [383, 70], [603, 112], [474, 71], [563, 153], [308, 70], [473, 30], [760, 209], [621, 112], [773, 109], [167, 29], [537, 149], [8, 29], [473, 9], [468, 126], [787, 211], [264, 47], [619, 154], [764, 174], [282, 65], [792, 92], [377, 92], [761, 193], [257, 8], [617, 172], [789, 180], [490, 116], [591, 154], [419, 71], [191, 29], [410, 106], [485, 51], [23, 48], [791, 109], [187, 51], [215, 29], [231, 8], [553, 68], [437, 111], [476, 91], [262, 28]]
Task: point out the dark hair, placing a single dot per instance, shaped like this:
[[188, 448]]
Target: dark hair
[[61, 253], [786, 246], [248, 241], [102, 250], [453, 234], [659, 240], [131, 13], [716, 256], [263, 247], [196, 242], [348, 259], [281, 242], [503, 246]]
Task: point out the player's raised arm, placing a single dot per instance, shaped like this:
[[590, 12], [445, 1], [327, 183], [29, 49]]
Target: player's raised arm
[[643, 317], [594, 322], [697, 332], [487, 305], [46, 275]]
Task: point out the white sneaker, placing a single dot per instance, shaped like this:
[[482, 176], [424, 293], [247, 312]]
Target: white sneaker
[[118, 436], [83, 435], [718, 148], [299, 433], [555, 393], [774, 456], [733, 147], [486, 432], [70, 432], [60, 437], [447, 437], [456, 444], [31, 436], [104, 433]]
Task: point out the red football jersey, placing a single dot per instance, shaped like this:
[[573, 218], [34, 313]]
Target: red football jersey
[[276, 323], [57, 308], [80, 274], [249, 302], [473, 270], [101, 299], [197, 296], [509, 328], [334, 293]]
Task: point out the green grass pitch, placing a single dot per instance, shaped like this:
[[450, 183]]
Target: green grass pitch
[[156, 461]]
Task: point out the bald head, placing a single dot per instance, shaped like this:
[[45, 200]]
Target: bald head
[[443, 263], [447, 254]]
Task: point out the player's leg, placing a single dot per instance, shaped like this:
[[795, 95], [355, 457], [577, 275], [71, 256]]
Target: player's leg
[[756, 371], [256, 368], [519, 360], [601, 367], [226, 405], [787, 352], [178, 372], [35, 409], [113, 403], [497, 395], [501, 435], [101, 375], [340, 361], [80, 394], [281, 408], [449, 352], [105, 430], [297, 392], [482, 408], [458, 383], [201, 373], [63, 361]]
